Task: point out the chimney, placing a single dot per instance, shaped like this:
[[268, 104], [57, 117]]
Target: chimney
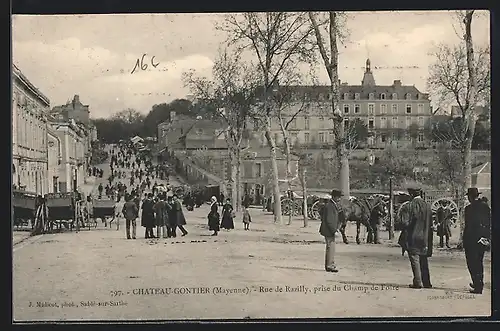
[[76, 98], [397, 83]]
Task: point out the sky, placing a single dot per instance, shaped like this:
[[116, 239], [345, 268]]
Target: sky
[[93, 55]]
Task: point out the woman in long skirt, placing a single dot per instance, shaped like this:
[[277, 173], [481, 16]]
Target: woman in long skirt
[[227, 216], [213, 217]]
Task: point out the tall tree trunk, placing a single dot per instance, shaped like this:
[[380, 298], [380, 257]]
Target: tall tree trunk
[[238, 179], [274, 172], [303, 183], [469, 114], [234, 179], [286, 142]]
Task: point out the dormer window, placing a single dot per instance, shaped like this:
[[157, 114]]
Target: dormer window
[[408, 96], [382, 96], [320, 97], [371, 96], [356, 96], [394, 96], [346, 96], [306, 96]]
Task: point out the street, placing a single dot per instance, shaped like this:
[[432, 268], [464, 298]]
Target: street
[[269, 272]]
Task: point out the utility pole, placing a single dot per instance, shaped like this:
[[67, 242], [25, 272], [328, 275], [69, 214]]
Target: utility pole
[[391, 209]]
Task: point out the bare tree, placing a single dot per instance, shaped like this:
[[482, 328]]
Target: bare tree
[[230, 95], [328, 48], [461, 75], [279, 42]]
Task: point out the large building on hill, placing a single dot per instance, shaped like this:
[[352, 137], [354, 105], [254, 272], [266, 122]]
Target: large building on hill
[[394, 114], [73, 110]]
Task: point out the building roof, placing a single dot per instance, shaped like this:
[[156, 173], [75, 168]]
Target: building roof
[[484, 168], [17, 73]]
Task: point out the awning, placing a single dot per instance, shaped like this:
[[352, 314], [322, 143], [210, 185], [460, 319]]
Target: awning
[[136, 139]]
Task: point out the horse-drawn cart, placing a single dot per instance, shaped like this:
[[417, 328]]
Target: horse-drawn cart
[[63, 209], [25, 206], [104, 209]]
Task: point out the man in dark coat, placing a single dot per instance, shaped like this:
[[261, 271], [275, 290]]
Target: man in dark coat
[[161, 215], [130, 212], [476, 238], [171, 218], [443, 220], [330, 222], [148, 217], [419, 238], [181, 220]]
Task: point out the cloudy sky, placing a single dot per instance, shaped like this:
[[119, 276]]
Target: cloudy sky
[[93, 55]]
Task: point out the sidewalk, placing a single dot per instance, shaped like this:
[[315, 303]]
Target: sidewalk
[[20, 236]]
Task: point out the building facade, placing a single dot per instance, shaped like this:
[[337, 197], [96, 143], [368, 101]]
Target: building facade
[[397, 114], [54, 157], [29, 135], [73, 153]]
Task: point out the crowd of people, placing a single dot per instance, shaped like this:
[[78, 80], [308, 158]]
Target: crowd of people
[[417, 235]]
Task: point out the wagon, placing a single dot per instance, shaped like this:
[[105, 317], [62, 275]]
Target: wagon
[[25, 206], [104, 209], [63, 209]]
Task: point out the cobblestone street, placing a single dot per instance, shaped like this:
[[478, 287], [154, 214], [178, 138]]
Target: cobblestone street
[[271, 271]]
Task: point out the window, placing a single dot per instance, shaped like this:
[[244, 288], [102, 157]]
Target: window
[[259, 169], [383, 108], [346, 109], [382, 96], [408, 109], [408, 96], [383, 122], [371, 96], [420, 136], [383, 138], [371, 123], [331, 137], [420, 121], [346, 123], [293, 123], [371, 109], [420, 108], [394, 122], [356, 109], [295, 137], [394, 108], [306, 137], [356, 96], [394, 136], [346, 96], [306, 123], [394, 96], [321, 137], [408, 122]]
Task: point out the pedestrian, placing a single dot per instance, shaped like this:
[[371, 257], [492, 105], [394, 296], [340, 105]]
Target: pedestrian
[[179, 215], [227, 216], [418, 225], [443, 219], [147, 216], [246, 200], [99, 189], [171, 218], [476, 238], [330, 221], [213, 217], [130, 212], [221, 197], [247, 219], [161, 215]]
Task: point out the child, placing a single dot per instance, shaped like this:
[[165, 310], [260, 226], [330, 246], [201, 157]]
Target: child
[[246, 218]]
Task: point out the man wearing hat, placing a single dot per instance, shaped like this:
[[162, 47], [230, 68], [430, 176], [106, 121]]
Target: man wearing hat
[[330, 222], [476, 238], [419, 235]]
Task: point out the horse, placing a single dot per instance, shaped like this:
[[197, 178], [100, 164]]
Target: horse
[[366, 211]]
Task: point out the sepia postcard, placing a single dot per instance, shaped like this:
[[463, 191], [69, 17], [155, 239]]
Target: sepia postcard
[[251, 165]]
